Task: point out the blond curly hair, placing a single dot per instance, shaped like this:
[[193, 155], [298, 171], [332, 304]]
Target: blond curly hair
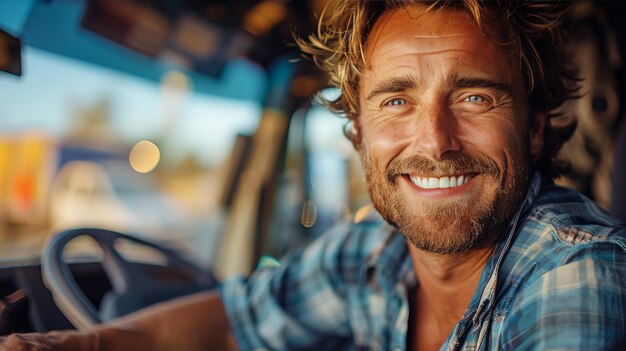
[[535, 33]]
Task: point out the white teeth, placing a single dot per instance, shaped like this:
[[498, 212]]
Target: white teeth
[[440, 183], [433, 183], [444, 182], [452, 182]]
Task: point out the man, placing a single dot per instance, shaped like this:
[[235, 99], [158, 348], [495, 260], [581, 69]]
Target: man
[[451, 112]]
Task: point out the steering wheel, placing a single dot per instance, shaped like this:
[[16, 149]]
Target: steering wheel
[[133, 288]]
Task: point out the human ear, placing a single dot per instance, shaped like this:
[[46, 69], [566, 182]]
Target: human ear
[[353, 131], [536, 135]]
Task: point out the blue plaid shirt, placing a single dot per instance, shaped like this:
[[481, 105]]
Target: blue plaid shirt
[[556, 281]]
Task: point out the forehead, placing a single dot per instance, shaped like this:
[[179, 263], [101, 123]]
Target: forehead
[[401, 37]]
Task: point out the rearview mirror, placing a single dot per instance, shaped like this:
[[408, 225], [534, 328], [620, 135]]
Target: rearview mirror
[[10, 54]]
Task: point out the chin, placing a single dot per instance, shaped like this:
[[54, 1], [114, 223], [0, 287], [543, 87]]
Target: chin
[[449, 231], [451, 226]]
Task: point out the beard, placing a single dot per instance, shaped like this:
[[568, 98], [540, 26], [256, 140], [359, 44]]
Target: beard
[[451, 225]]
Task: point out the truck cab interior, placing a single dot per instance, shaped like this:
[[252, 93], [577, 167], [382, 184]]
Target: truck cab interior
[[153, 148]]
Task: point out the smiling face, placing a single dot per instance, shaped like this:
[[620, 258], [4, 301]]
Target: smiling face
[[445, 136]]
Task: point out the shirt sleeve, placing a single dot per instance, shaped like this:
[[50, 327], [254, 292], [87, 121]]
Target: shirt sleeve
[[298, 305], [578, 305]]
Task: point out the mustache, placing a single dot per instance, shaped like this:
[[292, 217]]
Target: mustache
[[454, 163]]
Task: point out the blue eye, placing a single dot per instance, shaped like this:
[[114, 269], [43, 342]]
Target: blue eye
[[396, 102], [475, 98]]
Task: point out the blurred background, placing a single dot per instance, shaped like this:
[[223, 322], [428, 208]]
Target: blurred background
[[192, 123]]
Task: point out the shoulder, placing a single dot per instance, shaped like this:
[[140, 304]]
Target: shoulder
[[562, 224], [335, 260], [346, 247], [563, 228], [574, 218], [566, 275]]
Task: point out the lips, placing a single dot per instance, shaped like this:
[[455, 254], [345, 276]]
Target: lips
[[444, 182]]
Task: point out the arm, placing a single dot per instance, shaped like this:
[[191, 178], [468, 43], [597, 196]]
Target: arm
[[303, 303], [195, 322]]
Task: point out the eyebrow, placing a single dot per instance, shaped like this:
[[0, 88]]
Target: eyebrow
[[392, 85], [471, 82]]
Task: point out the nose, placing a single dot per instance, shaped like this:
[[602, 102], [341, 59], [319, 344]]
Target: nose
[[437, 131]]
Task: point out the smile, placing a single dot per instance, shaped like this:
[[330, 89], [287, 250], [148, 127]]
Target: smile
[[441, 182]]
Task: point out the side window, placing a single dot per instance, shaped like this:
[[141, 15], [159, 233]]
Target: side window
[[322, 181]]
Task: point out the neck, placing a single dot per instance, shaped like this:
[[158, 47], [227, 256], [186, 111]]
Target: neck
[[448, 282]]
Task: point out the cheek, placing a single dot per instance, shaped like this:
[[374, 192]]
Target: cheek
[[384, 141], [493, 137]]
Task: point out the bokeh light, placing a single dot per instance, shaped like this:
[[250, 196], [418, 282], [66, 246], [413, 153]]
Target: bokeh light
[[144, 156]]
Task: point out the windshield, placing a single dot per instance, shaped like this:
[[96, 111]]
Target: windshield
[[67, 133]]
